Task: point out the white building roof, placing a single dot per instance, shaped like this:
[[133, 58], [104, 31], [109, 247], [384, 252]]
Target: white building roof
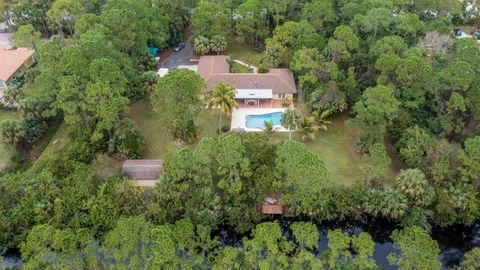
[[162, 72], [254, 93]]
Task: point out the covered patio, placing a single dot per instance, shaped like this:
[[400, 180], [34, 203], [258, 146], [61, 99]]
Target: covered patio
[[254, 97]]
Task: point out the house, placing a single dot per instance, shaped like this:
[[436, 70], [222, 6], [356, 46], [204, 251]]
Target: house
[[13, 63], [252, 89], [145, 171]]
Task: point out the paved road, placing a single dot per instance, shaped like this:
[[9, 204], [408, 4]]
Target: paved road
[[178, 58]]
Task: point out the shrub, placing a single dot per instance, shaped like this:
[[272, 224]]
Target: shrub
[[203, 45], [262, 68], [127, 141], [285, 102]]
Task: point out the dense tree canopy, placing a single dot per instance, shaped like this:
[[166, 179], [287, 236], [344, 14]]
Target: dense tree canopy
[[410, 87]]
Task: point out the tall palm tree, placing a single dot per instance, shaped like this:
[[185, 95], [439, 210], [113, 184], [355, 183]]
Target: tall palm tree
[[306, 128], [223, 96], [290, 121]]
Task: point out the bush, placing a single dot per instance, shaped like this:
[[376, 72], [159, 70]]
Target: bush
[[285, 102], [146, 63], [33, 130], [12, 133], [127, 141], [203, 45], [22, 134], [262, 68], [225, 129]]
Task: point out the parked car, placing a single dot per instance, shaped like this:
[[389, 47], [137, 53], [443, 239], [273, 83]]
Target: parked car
[[477, 34], [179, 47]]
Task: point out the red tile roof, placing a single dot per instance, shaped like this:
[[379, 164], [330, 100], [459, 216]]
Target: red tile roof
[[12, 60], [215, 69]]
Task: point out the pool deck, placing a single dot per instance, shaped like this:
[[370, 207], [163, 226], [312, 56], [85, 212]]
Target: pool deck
[[239, 115]]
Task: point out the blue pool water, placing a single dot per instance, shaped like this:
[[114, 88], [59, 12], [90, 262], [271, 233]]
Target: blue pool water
[[257, 121]]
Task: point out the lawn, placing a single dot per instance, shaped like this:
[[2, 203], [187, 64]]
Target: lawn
[[159, 143], [237, 68], [6, 154], [54, 140], [336, 148], [242, 51]]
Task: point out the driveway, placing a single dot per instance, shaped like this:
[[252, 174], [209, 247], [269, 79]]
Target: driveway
[[5, 38], [178, 58]]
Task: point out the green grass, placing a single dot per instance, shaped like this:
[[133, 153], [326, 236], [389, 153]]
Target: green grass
[[336, 148], [237, 68], [54, 140], [5, 153], [160, 143], [242, 51], [465, 28]]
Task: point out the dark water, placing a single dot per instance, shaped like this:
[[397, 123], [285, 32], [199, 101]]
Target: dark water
[[454, 241]]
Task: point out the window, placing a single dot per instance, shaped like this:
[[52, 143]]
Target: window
[[282, 96]]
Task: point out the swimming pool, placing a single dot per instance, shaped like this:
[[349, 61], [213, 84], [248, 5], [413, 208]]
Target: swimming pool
[[258, 120]]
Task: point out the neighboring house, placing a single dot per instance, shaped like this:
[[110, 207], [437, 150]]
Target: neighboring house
[[13, 62], [253, 90]]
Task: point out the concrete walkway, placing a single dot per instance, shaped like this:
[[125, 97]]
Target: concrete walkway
[[253, 68]]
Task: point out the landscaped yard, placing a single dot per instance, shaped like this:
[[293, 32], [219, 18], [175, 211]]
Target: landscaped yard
[[242, 52], [237, 68], [159, 143], [336, 148], [6, 154]]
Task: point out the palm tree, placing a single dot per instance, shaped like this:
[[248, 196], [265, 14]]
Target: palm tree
[[394, 204], [306, 128], [218, 44], [412, 182], [201, 45], [268, 128], [290, 120], [320, 118], [223, 96]]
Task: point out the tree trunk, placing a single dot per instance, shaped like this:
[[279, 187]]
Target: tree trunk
[[289, 134]]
